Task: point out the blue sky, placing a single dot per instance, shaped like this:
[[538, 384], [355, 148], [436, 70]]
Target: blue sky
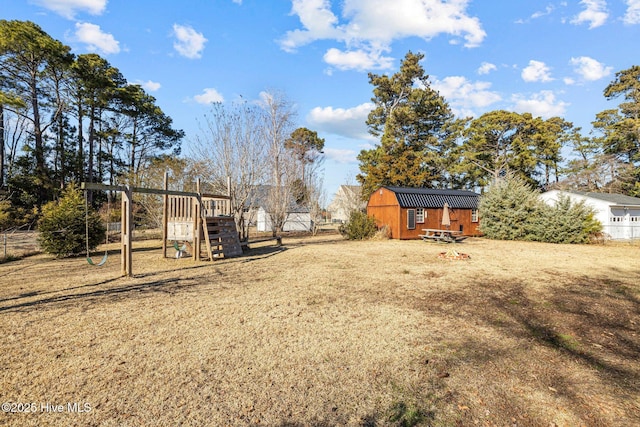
[[548, 58]]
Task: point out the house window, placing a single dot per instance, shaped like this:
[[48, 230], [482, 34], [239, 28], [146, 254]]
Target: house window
[[474, 215], [411, 219], [420, 215]]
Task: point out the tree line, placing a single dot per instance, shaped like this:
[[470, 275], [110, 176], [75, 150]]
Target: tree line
[[70, 118], [422, 143]]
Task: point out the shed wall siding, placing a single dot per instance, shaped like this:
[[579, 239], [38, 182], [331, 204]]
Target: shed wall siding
[[384, 208], [386, 215]]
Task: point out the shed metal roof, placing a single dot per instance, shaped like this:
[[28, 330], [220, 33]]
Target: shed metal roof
[[435, 198]]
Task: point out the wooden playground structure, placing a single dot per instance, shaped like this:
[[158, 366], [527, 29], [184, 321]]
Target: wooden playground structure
[[190, 218]]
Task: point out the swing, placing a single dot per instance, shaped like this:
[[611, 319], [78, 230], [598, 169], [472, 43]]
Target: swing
[[179, 250], [86, 220]]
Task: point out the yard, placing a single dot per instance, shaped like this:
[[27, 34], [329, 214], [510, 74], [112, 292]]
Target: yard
[[324, 332]]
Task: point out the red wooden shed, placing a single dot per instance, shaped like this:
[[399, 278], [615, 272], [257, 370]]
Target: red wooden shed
[[407, 211]]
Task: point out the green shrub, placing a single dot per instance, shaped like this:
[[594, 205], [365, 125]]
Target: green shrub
[[568, 222], [359, 226], [62, 225], [512, 210], [5, 217]]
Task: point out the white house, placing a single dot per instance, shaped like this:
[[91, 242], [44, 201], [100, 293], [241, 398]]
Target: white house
[[347, 199], [618, 214]]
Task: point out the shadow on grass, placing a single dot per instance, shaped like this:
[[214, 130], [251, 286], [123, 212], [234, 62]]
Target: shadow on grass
[[67, 295], [594, 320], [590, 324]]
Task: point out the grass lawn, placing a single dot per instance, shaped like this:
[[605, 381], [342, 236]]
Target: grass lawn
[[324, 332]]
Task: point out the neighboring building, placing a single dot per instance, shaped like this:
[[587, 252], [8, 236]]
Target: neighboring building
[[407, 211], [347, 199], [298, 219], [618, 214]]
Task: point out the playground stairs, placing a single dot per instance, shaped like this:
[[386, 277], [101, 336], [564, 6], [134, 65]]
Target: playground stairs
[[221, 238]]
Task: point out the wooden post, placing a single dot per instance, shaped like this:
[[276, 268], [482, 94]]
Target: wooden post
[[126, 252], [165, 215], [127, 230], [197, 221]]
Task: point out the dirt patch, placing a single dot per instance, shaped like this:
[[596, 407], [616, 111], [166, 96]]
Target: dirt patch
[[323, 331]]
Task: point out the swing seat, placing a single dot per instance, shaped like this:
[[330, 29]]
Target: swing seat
[[180, 251], [102, 261], [178, 248]]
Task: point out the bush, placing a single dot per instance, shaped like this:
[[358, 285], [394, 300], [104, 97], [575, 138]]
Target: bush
[[359, 226], [5, 217], [568, 222], [62, 225], [512, 210]]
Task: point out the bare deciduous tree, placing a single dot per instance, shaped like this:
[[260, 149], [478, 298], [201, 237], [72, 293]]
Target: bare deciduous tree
[[283, 167], [232, 150]]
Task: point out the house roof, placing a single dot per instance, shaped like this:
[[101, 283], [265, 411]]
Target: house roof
[[435, 198], [614, 199]]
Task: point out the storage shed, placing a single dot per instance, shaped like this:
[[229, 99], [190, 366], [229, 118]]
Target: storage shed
[[298, 219], [618, 214], [407, 211]]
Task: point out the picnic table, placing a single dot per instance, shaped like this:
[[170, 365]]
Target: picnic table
[[440, 235]]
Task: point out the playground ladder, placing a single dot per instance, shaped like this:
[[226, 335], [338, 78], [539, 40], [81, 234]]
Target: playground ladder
[[221, 237]]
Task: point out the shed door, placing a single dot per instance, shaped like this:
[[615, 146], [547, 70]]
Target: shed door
[[411, 219]]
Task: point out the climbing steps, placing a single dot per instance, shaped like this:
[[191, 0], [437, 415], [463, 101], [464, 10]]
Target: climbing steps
[[221, 237]]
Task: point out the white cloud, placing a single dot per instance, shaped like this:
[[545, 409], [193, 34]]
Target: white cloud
[[590, 69], [466, 97], [343, 156], [189, 43], [486, 68], [632, 16], [96, 39], [209, 96], [69, 8], [536, 71], [357, 60], [317, 19], [595, 13], [350, 122], [386, 21], [370, 26], [150, 86], [543, 104], [547, 11]]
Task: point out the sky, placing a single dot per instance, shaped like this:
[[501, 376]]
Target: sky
[[551, 58]]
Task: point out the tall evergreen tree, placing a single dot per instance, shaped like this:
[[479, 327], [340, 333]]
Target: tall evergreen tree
[[495, 145], [413, 122], [95, 88], [620, 128], [30, 63], [148, 131]]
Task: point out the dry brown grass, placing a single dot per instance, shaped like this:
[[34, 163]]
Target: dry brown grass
[[328, 332]]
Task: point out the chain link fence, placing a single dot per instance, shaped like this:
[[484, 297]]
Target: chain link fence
[[17, 243]]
